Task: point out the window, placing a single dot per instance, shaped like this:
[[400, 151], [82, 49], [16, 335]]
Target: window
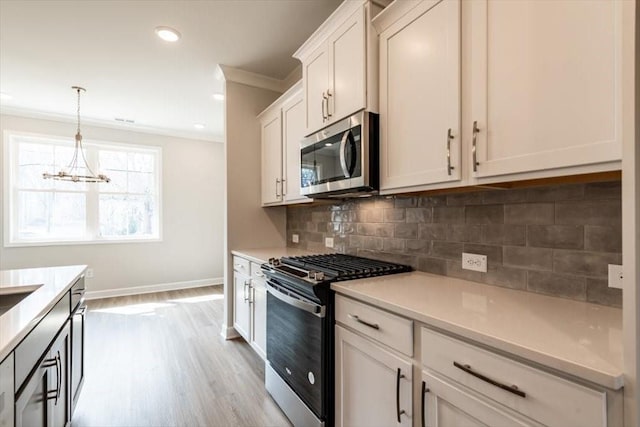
[[39, 211]]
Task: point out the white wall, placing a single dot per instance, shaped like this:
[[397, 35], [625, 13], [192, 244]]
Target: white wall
[[248, 225], [193, 181]]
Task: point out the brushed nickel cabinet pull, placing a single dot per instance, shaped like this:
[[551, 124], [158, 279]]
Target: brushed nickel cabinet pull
[[364, 322], [474, 146], [329, 95], [325, 106], [449, 138], [246, 295], [277, 182], [510, 388], [283, 188]]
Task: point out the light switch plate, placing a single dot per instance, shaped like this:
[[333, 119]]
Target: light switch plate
[[615, 276], [328, 242], [474, 262], [295, 238], [89, 273]]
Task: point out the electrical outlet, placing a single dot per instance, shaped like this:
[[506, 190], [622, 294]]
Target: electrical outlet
[[615, 276], [474, 262], [328, 242], [89, 273], [295, 238]]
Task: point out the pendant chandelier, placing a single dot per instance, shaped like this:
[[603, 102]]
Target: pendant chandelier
[[73, 170]]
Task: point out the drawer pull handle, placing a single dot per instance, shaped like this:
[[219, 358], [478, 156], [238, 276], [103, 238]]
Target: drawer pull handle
[[425, 390], [399, 412], [364, 322], [510, 388], [259, 274]]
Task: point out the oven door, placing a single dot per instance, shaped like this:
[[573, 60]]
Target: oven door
[[334, 159], [296, 345]]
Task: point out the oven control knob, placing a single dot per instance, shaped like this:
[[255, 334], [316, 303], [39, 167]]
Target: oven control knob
[[311, 377], [316, 275]]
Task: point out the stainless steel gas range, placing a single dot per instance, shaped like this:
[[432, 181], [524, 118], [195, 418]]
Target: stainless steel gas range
[[299, 373]]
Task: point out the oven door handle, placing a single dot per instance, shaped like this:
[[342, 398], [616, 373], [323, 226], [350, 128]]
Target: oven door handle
[[316, 310]]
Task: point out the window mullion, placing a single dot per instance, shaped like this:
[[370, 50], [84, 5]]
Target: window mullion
[[93, 204]]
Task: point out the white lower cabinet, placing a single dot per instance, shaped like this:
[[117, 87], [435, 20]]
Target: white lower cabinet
[[460, 384], [373, 384], [443, 404], [538, 395], [241, 302], [250, 304], [259, 310]]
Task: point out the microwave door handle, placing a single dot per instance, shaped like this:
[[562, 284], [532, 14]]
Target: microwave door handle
[[316, 310], [343, 157]]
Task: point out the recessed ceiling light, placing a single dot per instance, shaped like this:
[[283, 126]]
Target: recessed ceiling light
[[5, 96], [328, 144], [168, 34], [218, 97], [198, 126]]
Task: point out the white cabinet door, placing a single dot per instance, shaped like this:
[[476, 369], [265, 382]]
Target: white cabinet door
[[315, 74], [259, 304], [292, 134], [546, 84], [446, 405], [241, 306], [347, 68], [367, 382], [271, 158], [420, 97]]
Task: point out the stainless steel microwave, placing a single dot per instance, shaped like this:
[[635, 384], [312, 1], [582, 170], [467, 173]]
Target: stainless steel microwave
[[342, 159]]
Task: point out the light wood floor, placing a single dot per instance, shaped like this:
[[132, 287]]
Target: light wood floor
[[159, 360]]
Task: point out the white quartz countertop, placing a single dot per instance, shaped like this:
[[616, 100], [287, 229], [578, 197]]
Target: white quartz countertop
[[577, 338], [48, 286], [262, 255]]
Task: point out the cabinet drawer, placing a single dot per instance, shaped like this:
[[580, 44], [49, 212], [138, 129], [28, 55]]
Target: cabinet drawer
[[241, 265], [389, 329], [546, 398], [257, 276]]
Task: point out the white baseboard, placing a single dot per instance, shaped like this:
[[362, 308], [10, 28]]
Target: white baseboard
[[136, 290]]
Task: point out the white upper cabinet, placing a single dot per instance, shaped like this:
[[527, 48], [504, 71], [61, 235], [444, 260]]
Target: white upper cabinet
[[339, 65], [292, 134], [316, 76], [546, 84], [271, 124], [282, 126], [420, 94], [347, 71]]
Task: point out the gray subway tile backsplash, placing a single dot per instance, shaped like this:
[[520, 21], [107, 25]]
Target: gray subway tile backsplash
[[555, 240]]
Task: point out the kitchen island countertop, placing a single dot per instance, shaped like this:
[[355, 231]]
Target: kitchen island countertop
[[47, 286], [578, 338]]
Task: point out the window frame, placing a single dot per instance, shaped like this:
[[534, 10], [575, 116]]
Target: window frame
[[9, 163]]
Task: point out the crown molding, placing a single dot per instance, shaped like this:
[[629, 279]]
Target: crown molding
[[248, 78], [293, 77], [57, 117]]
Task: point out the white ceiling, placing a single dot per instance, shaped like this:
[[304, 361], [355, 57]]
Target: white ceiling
[[110, 48]]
